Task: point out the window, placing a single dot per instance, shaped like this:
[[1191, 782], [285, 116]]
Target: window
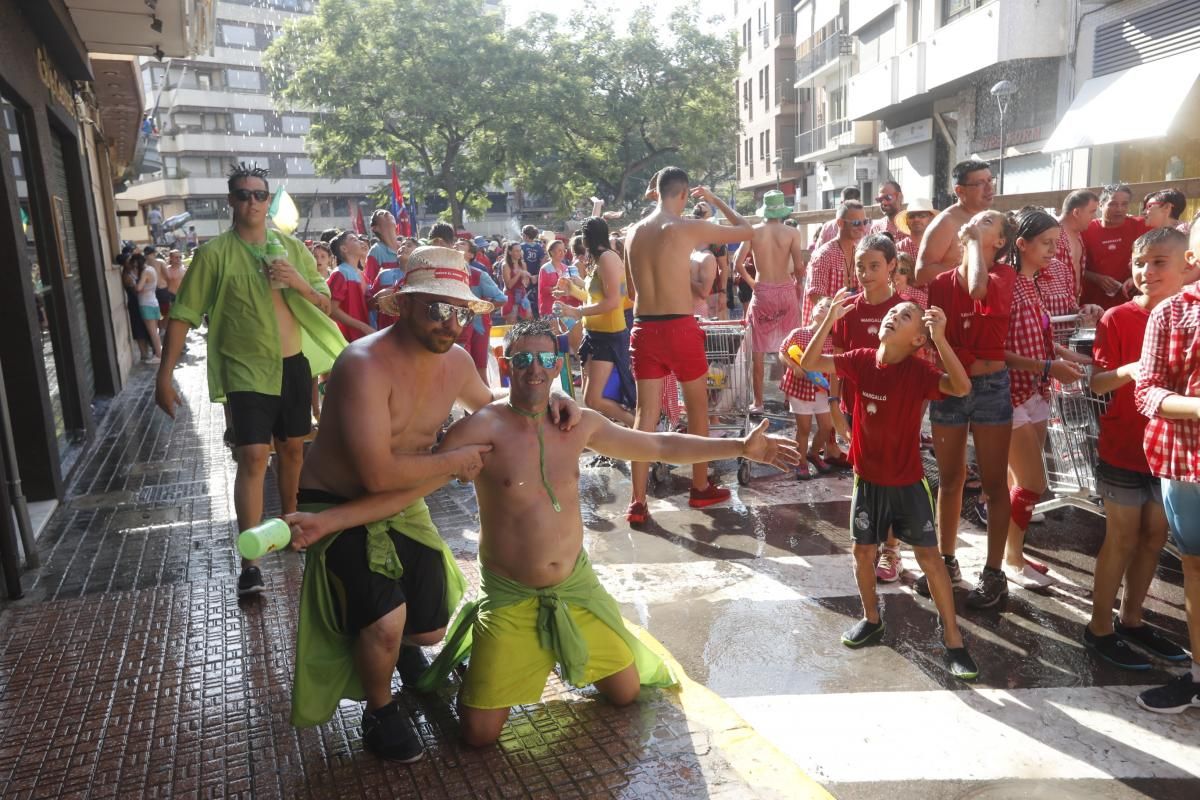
[[760, 84], [299, 165], [243, 79], [249, 123], [767, 88], [372, 166], [767, 149], [952, 9], [215, 122], [296, 126], [205, 208], [238, 36]]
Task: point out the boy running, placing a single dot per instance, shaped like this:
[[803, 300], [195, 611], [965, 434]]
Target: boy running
[[890, 490]]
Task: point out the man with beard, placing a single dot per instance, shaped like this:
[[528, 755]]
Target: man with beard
[[891, 203], [369, 588]]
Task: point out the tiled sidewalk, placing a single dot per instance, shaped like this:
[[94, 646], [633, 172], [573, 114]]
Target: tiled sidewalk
[[130, 669]]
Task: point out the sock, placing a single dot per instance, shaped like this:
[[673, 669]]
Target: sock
[[1022, 501], [1196, 672]]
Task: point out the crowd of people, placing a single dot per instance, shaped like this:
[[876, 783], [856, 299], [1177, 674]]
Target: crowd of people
[[953, 315]]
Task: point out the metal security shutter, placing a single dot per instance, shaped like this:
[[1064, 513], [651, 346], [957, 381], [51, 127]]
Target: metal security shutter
[[80, 344], [1165, 30]]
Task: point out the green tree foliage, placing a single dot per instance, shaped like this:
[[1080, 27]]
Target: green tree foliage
[[416, 81]]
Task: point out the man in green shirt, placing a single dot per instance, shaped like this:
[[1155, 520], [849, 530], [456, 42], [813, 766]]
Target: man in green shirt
[[268, 333]]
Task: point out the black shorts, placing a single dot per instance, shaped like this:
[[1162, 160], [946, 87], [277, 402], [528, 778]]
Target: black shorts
[[254, 418], [907, 510], [361, 596]]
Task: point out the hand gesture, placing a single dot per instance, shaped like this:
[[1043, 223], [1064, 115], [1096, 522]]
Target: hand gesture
[[702, 193], [1089, 315], [1064, 371], [564, 310], [935, 320], [1110, 286], [777, 451], [467, 461], [564, 412], [306, 529], [165, 396], [841, 304]]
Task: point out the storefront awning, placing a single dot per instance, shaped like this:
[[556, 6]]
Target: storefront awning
[[1138, 103]]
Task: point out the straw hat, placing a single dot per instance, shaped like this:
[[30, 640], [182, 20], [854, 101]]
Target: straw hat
[[437, 271], [919, 204]]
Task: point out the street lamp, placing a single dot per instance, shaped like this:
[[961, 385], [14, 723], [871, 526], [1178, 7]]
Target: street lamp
[[1003, 92], [778, 169]]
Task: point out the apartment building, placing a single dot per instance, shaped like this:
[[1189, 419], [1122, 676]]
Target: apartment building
[[214, 109], [768, 101]]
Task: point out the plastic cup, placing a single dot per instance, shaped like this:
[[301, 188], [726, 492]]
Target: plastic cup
[[273, 534], [275, 252]]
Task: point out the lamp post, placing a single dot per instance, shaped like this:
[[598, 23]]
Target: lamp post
[[778, 168], [1003, 92]]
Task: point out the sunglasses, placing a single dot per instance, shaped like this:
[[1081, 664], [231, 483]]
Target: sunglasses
[[244, 195], [884, 198], [441, 312], [856, 223], [524, 359]]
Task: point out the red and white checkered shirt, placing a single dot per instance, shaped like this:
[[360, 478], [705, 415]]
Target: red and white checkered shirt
[[886, 225], [917, 294], [793, 385], [1170, 365], [1028, 335], [1056, 286], [1062, 252], [827, 272]]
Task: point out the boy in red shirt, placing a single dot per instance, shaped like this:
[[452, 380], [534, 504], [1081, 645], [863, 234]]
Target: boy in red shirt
[[1135, 525], [1167, 393], [890, 490], [348, 288]]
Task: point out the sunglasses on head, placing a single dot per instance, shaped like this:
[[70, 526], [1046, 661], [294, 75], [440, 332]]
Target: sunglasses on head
[[524, 359], [244, 195], [441, 312], [857, 223]]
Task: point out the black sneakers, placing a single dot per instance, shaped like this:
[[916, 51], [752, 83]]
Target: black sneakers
[[388, 734], [922, 583], [960, 664], [250, 582], [1149, 639], [1113, 649], [862, 633], [991, 589], [1180, 694]]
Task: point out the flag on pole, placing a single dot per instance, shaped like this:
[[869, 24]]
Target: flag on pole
[[24, 222], [284, 213], [399, 210], [356, 220]]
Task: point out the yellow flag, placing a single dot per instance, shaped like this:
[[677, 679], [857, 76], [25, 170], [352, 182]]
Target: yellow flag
[[284, 212]]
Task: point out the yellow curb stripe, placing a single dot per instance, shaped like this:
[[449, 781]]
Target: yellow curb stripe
[[760, 763]]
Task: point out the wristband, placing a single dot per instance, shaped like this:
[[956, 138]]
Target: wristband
[[1046, 371]]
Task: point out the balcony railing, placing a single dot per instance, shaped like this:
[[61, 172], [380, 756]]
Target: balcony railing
[[785, 24], [785, 93], [818, 138], [822, 54], [787, 158]]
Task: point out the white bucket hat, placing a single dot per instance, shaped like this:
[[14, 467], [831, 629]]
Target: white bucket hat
[[437, 271]]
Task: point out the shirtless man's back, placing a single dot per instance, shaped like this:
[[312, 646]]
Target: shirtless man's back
[[940, 248], [666, 338]]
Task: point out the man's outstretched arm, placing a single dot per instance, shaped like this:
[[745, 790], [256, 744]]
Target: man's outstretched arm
[[627, 444]]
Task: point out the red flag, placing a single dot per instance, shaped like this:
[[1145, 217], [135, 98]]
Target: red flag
[[399, 210], [356, 220]]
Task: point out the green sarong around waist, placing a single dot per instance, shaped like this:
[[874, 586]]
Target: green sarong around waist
[[325, 672], [557, 631]]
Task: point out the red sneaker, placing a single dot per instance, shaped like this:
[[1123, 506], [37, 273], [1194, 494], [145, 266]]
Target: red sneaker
[[637, 513], [708, 496], [841, 460]]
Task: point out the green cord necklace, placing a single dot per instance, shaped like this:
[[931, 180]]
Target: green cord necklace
[[541, 451]]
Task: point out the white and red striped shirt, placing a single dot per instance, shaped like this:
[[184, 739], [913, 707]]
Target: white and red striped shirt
[[1170, 365]]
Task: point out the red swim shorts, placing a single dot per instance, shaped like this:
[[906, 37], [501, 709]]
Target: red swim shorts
[[658, 347]]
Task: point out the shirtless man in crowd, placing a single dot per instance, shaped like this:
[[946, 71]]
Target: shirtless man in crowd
[[388, 397], [531, 544], [666, 337], [774, 309], [940, 249]]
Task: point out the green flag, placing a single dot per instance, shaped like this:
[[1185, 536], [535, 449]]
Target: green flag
[[284, 212], [24, 222]]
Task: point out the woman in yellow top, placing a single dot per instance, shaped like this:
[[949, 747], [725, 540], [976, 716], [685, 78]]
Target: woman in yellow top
[[605, 347]]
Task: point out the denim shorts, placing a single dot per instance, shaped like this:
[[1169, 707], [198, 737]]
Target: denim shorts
[[1181, 501], [989, 403]]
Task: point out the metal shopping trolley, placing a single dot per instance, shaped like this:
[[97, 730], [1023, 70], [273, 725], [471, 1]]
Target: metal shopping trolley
[[729, 388], [1073, 430]]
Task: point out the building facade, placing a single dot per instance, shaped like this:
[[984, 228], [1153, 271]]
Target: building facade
[[768, 100], [210, 110]]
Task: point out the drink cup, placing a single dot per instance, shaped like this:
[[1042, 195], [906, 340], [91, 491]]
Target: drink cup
[[275, 252], [273, 534]]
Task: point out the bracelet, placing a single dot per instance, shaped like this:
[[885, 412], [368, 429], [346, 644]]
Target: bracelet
[[1046, 371]]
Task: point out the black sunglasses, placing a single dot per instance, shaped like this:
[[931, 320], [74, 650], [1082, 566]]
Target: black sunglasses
[[856, 223], [440, 312], [524, 360], [244, 195]]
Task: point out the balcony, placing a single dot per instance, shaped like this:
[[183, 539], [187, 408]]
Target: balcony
[[785, 25], [188, 141], [910, 72], [1003, 30], [218, 100], [873, 89], [826, 55], [786, 94], [836, 138]]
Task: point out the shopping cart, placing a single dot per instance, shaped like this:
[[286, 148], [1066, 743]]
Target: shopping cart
[[1073, 430], [729, 389]]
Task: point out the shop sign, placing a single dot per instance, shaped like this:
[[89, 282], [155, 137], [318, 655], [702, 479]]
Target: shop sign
[[905, 135], [59, 87]]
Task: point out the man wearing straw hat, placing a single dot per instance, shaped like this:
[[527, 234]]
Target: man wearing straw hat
[[368, 588], [774, 309]]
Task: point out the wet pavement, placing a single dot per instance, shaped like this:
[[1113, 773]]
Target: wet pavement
[[131, 670]]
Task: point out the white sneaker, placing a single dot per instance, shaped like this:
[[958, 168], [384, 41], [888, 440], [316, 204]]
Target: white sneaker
[[1027, 577], [1038, 518]]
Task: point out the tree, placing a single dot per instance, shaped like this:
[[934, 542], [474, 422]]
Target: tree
[[426, 83], [611, 109]]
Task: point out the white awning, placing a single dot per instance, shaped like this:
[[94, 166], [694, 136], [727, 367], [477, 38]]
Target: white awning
[[1138, 103]]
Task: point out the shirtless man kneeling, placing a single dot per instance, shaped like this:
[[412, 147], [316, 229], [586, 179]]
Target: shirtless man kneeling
[[387, 579], [666, 337], [531, 545], [774, 310]]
